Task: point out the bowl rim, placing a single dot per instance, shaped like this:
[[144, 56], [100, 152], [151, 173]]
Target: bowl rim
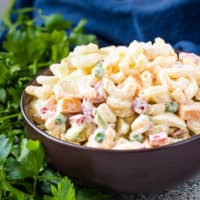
[[85, 148], [81, 147]]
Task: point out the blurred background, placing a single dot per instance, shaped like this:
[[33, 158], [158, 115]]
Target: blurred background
[[3, 6]]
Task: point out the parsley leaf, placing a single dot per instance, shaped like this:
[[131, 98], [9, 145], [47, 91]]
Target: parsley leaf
[[56, 22], [27, 48], [64, 191], [5, 147], [29, 163]]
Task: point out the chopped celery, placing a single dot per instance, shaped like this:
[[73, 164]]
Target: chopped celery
[[172, 107], [136, 137], [59, 119]]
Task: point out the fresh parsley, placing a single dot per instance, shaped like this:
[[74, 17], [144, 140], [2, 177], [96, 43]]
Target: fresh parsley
[[27, 48]]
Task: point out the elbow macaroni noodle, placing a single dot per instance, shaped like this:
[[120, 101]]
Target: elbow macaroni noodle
[[118, 97]]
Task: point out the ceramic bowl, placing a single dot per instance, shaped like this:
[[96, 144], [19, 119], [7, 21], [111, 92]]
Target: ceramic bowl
[[117, 170]]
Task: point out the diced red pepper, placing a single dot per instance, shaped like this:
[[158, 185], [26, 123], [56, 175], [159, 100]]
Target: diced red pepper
[[101, 95], [44, 110], [140, 106], [87, 107], [78, 119], [158, 139], [49, 108]]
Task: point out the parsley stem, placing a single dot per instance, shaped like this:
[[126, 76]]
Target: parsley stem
[[9, 116], [50, 177], [34, 185]]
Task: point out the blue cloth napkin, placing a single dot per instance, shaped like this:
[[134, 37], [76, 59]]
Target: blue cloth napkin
[[121, 21]]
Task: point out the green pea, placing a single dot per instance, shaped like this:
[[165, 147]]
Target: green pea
[[99, 137], [98, 70], [172, 107], [59, 119], [136, 137]]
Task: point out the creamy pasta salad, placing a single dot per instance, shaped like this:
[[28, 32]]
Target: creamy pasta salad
[[120, 97]]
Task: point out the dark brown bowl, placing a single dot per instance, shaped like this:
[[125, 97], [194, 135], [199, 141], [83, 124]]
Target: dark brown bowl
[[118, 170]]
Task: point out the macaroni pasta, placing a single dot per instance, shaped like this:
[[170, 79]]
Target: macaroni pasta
[[134, 97]]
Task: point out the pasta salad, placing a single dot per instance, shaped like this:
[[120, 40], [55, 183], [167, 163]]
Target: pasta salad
[[120, 97]]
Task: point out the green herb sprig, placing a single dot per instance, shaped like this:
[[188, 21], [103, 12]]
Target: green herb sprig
[[27, 48]]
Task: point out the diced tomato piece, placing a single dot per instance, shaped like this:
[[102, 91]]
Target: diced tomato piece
[[69, 105], [158, 139], [190, 111]]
